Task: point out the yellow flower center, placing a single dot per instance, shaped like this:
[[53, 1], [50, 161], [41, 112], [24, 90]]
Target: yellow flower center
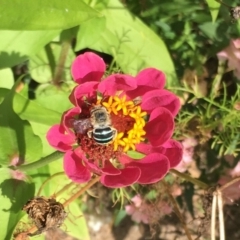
[[120, 106]]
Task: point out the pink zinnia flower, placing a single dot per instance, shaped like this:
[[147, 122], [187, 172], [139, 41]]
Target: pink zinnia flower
[[141, 112]]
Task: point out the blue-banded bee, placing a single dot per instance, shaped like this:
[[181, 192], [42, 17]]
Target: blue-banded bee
[[98, 126]]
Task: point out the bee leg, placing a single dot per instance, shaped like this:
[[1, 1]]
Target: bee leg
[[90, 133]]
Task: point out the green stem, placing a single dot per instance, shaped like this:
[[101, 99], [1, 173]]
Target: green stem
[[82, 190], [50, 57], [190, 179], [39, 163], [47, 180], [216, 104], [57, 78], [217, 80], [204, 98]]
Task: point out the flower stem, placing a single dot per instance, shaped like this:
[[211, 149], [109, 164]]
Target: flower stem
[[81, 191], [190, 179], [39, 163], [177, 211], [66, 187], [47, 180], [57, 78], [229, 183]]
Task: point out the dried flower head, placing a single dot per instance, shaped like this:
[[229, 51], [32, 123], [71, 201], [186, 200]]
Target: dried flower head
[[235, 13], [46, 213]]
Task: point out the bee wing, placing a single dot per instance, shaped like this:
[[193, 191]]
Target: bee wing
[[137, 100], [81, 126]]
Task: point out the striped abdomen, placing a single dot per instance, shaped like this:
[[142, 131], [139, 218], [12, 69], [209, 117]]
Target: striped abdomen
[[103, 135]]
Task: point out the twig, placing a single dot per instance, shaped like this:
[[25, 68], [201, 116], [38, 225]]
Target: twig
[[213, 219], [177, 211]]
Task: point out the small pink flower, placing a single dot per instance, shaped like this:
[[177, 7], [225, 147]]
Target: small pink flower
[[232, 54], [138, 210], [141, 211], [176, 190], [141, 112], [16, 174], [188, 151], [236, 171]]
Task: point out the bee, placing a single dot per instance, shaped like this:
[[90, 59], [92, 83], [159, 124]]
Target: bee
[[102, 132], [98, 126]]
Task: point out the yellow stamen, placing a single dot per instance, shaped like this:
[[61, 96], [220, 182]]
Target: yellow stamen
[[122, 104], [129, 144], [138, 115], [118, 141], [127, 140], [109, 105]]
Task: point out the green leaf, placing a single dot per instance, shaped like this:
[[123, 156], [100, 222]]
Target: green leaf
[[6, 78], [3, 93], [43, 112], [53, 100], [43, 15], [135, 155], [17, 140], [14, 194], [17, 46], [213, 8], [133, 45], [121, 214], [35, 112], [93, 27], [76, 223], [39, 64]]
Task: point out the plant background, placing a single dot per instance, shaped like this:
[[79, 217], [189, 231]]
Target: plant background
[[180, 37]]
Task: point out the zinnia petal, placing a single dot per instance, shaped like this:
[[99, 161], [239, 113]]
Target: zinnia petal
[[127, 177], [173, 151], [82, 91], [153, 168], [117, 82], [144, 148], [161, 98], [88, 67], [160, 127], [147, 80], [109, 169], [74, 168], [58, 139], [68, 117]]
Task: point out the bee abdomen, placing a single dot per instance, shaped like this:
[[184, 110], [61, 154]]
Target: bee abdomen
[[103, 135]]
